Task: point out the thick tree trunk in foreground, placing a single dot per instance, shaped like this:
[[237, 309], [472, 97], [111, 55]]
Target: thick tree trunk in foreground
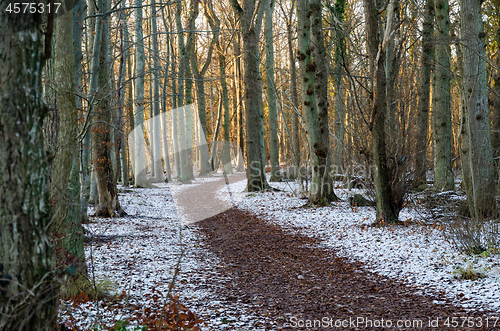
[[443, 174], [424, 96], [30, 298], [481, 188], [66, 223]]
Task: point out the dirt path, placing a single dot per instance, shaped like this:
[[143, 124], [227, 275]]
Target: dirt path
[[288, 278], [202, 200]]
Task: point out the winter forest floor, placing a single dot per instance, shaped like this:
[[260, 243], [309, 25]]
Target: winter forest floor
[[261, 262]]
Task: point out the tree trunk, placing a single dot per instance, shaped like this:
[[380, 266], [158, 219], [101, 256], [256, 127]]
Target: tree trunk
[[495, 95], [321, 147], [139, 146], [156, 124], [340, 53], [66, 223], [251, 25], [271, 92], [109, 205], [424, 96], [124, 54], [443, 173], [386, 211], [295, 98], [199, 76], [29, 299], [240, 162], [481, 191]]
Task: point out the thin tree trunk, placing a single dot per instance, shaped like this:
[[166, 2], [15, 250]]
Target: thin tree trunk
[[340, 53], [200, 85], [123, 141], [156, 125], [424, 97], [240, 162], [109, 205], [443, 173], [495, 95], [139, 148], [271, 92]]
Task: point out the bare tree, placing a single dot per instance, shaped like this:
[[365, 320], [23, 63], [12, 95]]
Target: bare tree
[[477, 153], [28, 292]]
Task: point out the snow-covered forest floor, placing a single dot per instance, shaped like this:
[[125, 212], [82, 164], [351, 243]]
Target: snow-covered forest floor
[[139, 253]]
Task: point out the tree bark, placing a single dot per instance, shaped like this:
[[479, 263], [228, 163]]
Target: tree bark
[[495, 95], [156, 123], [29, 297], [443, 173], [251, 25], [271, 92], [139, 148], [108, 205], [386, 211], [424, 96], [321, 147], [340, 53], [66, 223], [481, 190]]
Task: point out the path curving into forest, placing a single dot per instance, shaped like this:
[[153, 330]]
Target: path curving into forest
[[290, 279]]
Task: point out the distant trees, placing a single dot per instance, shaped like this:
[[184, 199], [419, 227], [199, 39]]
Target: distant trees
[[28, 299]]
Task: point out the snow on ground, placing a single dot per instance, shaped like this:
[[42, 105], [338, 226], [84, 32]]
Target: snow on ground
[[139, 254], [417, 254]]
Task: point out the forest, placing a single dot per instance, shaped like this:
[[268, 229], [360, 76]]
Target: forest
[[249, 165]]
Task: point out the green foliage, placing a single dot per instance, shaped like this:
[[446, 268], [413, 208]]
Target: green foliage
[[80, 285], [468, 273]]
